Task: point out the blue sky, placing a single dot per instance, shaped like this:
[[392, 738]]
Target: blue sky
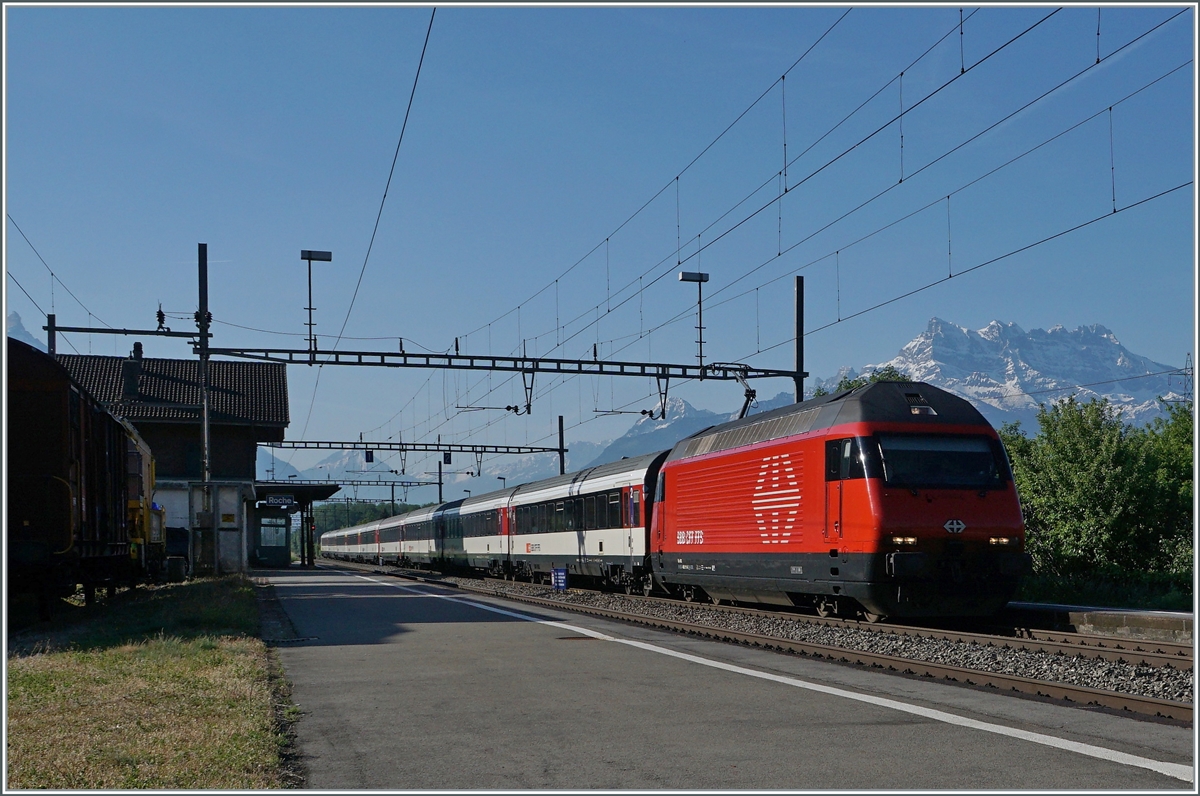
[[536, 134]]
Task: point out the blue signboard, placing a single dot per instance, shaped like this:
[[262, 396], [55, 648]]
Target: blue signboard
[[558, 579]]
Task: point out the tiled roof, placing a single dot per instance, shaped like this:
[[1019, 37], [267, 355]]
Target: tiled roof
[[240, 393]]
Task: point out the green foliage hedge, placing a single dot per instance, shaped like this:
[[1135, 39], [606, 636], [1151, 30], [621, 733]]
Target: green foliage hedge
[[1104, 499]]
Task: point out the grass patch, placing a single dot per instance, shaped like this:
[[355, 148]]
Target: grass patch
[[1149, 591], [168, 688]]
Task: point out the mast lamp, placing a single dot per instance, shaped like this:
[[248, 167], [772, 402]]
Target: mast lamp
[[322, 257]]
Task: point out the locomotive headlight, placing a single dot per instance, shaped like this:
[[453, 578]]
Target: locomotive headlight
[[1004, 540], [904, 540]]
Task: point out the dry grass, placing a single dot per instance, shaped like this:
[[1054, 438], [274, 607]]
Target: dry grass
[[168, 690]]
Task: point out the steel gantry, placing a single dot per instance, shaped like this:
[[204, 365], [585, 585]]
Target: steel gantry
[[403, 448], [527, 366]]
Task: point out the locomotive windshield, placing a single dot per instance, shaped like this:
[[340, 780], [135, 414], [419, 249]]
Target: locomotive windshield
[[941, 462]]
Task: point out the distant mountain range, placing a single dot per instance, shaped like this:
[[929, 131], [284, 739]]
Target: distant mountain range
[[1007, 372], [17, 331], [1003, 370]]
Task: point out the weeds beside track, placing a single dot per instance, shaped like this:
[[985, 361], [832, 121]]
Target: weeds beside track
[[164, 688]]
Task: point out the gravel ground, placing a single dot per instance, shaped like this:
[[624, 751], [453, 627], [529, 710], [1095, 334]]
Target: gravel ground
[[1160, 683]]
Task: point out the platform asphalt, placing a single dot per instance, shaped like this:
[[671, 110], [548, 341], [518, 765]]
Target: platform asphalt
[[407, 685]]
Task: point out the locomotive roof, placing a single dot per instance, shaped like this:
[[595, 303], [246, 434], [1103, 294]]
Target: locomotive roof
[[881, 402]]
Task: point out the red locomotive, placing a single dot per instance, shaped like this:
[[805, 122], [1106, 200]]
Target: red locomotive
[[893, 499]]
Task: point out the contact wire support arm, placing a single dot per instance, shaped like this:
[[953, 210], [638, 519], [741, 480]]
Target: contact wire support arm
[[526, 365]]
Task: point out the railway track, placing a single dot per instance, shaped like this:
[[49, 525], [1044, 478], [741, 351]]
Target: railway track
[[1131, 651], [1080, 695], [1124, 651]]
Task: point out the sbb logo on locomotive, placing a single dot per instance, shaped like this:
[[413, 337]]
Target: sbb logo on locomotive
[[689, 537]]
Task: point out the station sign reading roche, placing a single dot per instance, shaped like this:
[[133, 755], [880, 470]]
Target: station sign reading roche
[[280, 500]]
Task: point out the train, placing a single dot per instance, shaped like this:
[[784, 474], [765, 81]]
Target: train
[[892, 499], [80, 507]]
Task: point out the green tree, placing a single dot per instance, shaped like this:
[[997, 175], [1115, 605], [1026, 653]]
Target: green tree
[[886, 373], [1093, 490], [340, 514], [1171, 453]]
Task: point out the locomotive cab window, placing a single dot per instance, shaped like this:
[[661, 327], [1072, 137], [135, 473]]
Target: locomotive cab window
[[849, 458], [942, 462]]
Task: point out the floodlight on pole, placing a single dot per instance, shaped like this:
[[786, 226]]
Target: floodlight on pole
[[321, 257], [699, 277]]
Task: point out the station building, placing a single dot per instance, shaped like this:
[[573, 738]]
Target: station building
[[248, 404]]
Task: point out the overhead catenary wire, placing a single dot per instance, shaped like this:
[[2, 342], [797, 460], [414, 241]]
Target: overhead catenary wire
[[54, 277], [1034, 148], [1010, 392], [985, 263], [26, 292], [642, 286], [378, 216], [608, 286], [827, 163], [973, 138], [682, 171]]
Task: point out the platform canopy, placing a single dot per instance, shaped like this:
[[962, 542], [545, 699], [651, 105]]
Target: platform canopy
[[302, 494]]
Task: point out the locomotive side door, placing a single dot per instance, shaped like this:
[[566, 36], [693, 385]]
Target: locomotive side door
[[833, 488], [658, 519]]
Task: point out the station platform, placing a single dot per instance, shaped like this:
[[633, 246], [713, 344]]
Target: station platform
[[1173, 626]]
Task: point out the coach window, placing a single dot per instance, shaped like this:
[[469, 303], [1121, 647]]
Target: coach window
[[615, 514], [589, 513], [602, 511]]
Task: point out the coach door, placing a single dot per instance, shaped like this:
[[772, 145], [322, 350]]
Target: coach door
[[833, 489], [508, 523]]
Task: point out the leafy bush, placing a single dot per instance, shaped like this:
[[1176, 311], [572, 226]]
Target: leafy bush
[[1104, 499], [334, 515]]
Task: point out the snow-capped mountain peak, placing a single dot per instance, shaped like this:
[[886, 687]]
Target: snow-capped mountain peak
[[1007, 371]]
